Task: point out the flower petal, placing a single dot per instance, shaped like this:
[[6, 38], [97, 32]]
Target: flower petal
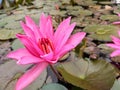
[[73, 41], [64, 37], [118, 22], [118, 14], [115, 40], [31, 24], [62, 28], [46, 25], [30, 75], [49, 29], [30, 45], [29, 60], [115, 53], [119, 32], [19, 53], [113, 46], [27, 30], [49, 57]]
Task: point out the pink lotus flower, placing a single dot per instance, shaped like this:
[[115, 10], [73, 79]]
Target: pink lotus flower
[[115, 45], [43, 46]]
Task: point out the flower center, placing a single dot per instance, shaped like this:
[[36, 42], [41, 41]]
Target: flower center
[[45, 45]]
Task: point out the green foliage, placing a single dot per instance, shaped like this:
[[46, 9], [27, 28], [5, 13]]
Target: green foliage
[[6, 34], [116, 85], [17, 44], [101, 32], [54, 86], [13, 3], [109, 17], [91, 75]]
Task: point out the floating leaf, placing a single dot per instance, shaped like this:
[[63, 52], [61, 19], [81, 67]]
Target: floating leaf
[[2, 24], [91, 75], [105, 49], [54, 86], [85, 12], [116, 85], [75, 8], [8, 34], [101, 32], [85, 2], [56, 12], [105, 2], [17, 44], [13, 25], [109, 17]]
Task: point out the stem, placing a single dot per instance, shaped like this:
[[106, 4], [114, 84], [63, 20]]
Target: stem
[[82, 48], [56, 73]]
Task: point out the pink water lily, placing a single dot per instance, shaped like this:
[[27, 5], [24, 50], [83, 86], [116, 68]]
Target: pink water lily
[[43, 46], [115, 45]]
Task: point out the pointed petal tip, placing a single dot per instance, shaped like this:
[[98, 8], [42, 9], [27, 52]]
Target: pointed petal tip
[[42, 14], [114, 54], [27, 17], [118, 22], [82, 34], [69, 18], [18, 35], [109, 45]]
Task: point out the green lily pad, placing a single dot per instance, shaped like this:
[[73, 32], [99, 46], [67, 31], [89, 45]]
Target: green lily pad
[[8, 34], [13, 25], [116, 85], [85, 12], [105, 2], [85, 2], [109, 17], [54, 86], [90, 75], [80, 12], [2, 24], [75, 8], [105, 49], [56, 12], [17, 44], [101, 32]]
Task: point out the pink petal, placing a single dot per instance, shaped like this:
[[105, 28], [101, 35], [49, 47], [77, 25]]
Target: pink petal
[[18, 54], [45, 25], [30, 45], [118, 22], [115, 40], [115, 53], [29, 60], [73, 41], [27, 30], [31, 24], [113, 46], [64, 37], [49, 29], [62, 28], [119, 32], [118, 14], [49, 58], [30, 75], [42, 22]]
